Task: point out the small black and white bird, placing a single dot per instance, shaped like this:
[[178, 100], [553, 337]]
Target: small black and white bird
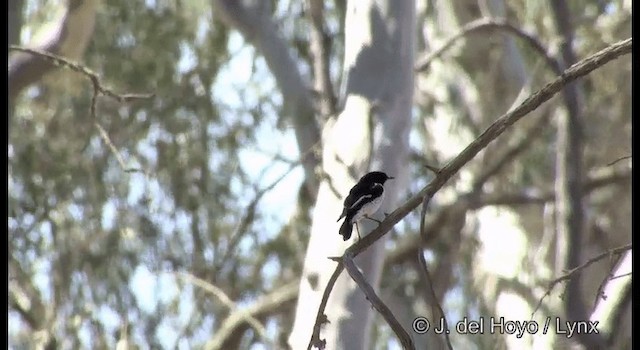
[[363, 200]]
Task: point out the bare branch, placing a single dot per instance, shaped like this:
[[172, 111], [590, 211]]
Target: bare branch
[[531, 196], [578, 70], [425, 205], [489, 24], [570, 274], [424, 271], [271, 303], [98, 88], [423, 213], [69, 36], [321, 318], [254, 23], [597, 179], [224, 299], [378, 304], [79, 68], [496, 129], [513, 151], [618, 160], [613, 300], [620, 276], [249, 213]]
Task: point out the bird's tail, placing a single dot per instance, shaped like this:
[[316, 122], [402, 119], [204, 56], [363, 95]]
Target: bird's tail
[[346, 228]]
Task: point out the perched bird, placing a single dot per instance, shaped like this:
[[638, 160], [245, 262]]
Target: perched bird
[[363, 200]]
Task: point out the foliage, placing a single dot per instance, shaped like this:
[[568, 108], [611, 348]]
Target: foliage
[[95, 250]]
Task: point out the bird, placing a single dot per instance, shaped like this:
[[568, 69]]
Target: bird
[[363, 200]]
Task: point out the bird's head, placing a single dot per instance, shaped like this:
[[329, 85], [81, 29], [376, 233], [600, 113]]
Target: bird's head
[[376, 176]]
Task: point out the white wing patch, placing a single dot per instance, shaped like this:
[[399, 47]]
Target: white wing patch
[[360, 200], [369, 208]]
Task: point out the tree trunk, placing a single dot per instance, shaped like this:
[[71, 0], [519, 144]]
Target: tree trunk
[[371, 133]]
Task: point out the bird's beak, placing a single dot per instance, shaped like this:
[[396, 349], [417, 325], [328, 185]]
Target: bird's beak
[[390, 177]]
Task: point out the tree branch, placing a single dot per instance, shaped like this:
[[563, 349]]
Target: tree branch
[[424, 271], [224, 299], [249, 212], [70, 37], [618, 160], [570, 274], [405, 249], [489, 24], [378, 304], [513, 151], [98, 89], [255, 25], [268, 304], [578, 70]]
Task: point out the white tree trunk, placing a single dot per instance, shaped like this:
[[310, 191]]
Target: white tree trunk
[[371, 133]]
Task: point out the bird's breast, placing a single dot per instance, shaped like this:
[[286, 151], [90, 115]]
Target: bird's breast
[[369, 208]]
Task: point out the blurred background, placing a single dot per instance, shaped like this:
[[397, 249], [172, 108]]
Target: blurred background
[[182, 220]]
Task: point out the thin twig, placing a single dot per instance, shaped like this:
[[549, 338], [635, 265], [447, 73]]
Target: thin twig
[[576, 71], [618, 160], [425, 204], [250, 210], [512, 152], [272, 303], [605, 281], [226, 301], [569, 274], [114, 150], [321, 317], [423, 214], [77, 67], [620, 276], [434, 298], [98, 89], [378, 304], [492, 24]]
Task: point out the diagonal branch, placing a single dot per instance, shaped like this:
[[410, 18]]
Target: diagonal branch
[[513, 151], [378, 304], [570, 274], [408, 245], [576, 71], [618, 160], [253, 21], [98, 89], [249, 213], [269, 304], [224, 299], [69, 37], [79, 68], [424, 271]]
